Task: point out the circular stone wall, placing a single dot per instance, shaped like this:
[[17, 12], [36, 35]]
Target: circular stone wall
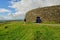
[[46, 14]]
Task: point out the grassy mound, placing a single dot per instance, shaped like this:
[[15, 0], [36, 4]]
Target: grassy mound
[[29, 31]]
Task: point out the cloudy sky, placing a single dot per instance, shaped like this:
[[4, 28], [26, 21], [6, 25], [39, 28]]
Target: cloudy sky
[[16, 9]]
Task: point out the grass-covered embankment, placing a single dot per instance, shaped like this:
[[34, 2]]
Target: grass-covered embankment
[[29, 31]]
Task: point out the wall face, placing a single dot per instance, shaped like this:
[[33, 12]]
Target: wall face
[[46, 14]]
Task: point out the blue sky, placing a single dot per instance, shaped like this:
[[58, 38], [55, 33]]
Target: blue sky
[[16, 9], [5, 4]]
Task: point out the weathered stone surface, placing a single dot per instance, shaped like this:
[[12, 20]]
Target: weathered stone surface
[[51, 13]]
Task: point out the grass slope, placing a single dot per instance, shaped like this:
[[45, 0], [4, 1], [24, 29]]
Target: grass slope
[[29, 31]]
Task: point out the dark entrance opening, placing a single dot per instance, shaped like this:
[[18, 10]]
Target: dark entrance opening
[[25, 20], [38, 20]]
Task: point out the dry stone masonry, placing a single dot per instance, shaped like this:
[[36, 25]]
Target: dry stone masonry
[[46, 14]]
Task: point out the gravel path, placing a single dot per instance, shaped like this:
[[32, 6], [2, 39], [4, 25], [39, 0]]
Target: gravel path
[[50, 24]]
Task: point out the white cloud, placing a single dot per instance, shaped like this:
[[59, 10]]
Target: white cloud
[[4, 10], [16, 16], [25, 5], [3, 17]]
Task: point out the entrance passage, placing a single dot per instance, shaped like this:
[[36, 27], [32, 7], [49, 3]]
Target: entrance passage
[[38, 20]]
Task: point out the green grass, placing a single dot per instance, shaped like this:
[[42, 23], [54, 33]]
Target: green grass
[[29, 31]]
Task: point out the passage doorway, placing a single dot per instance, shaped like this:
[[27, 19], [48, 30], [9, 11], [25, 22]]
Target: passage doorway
[[38, 20]]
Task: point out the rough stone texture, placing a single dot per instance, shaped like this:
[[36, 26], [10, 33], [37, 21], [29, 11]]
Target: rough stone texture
[[47, 14]]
